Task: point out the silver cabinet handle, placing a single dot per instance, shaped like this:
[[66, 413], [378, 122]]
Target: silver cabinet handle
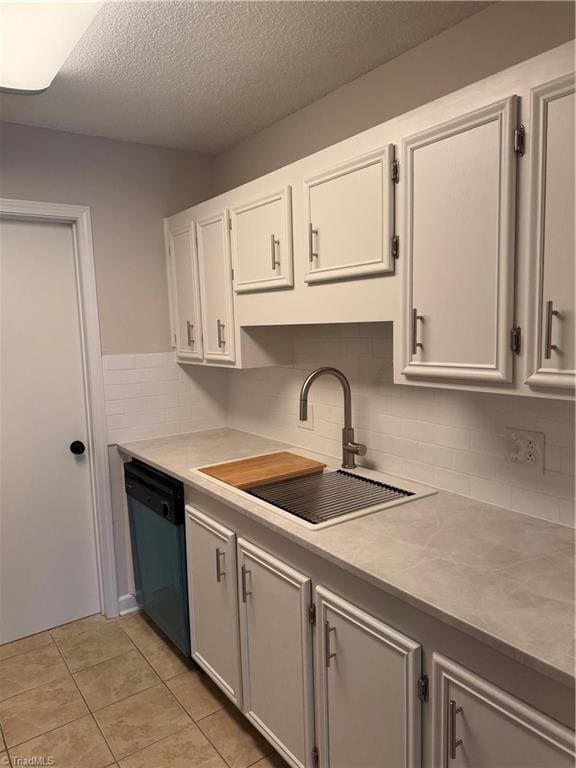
[[245, 592], [414, 330], [327, 630], [548, 346], [219, 571], [189, 330], [453, 742], [273, 243], [312, 254], [220, 327]]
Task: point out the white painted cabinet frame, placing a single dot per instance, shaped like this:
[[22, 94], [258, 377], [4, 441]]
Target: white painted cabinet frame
[[550, 344], [349, 215], [459, 276], [261, 242]]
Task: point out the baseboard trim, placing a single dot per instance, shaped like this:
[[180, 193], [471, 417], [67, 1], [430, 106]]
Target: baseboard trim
[[127, 604]]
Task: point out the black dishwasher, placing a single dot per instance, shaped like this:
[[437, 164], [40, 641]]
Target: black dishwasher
[[157, 532]]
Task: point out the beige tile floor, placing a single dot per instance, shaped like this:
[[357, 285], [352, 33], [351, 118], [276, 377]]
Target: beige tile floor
[[97, 693]]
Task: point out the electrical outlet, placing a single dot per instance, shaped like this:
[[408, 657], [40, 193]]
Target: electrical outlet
[[525, 448], [309, 423]]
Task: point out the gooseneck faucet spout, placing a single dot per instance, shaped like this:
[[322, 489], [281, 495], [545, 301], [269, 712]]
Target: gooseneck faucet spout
[[350, 449]]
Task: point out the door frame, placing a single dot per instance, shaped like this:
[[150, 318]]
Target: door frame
[[78, 217]]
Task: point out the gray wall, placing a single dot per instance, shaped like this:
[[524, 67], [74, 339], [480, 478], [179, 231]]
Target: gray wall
[[129, 188], [498, 37]]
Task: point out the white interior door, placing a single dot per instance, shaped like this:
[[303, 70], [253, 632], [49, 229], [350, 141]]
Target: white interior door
[[48, 565]]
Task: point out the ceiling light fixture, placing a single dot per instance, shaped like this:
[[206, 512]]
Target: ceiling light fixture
[[36, 38]]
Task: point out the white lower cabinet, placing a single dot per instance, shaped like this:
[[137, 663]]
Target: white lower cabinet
[[478, 725], [258, 633], [276, 638], [367, 675], [213, 596]]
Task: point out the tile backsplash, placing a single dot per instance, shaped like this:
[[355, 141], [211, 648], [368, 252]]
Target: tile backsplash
[[149, 395], [452, 440], [449, 439]]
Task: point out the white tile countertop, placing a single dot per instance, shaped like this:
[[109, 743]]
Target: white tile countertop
[[500, 576]]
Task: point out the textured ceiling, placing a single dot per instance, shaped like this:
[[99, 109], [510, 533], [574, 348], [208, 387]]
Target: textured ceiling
[[203, 75]]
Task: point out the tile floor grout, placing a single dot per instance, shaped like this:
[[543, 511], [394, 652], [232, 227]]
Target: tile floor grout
[[192, 666], [85, 702]]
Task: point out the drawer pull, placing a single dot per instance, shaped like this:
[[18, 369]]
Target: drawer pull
[[274, 242], [243, 572], [329, 654], [312, 254], [414, 330], [219, 571], [220, 328], [453, 742], [189, 330], [548, 346]]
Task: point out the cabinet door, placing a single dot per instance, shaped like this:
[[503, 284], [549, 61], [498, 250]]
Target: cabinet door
[[185, 293], [367, 689], [350, 219], [216, 288], [459, 209], [213, 596], [261, 242], [477, 725], [551, 347], [276, 652]]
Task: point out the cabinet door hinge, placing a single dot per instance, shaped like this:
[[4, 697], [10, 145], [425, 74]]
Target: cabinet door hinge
[[312, 615], [315, 757], [423, 684], [229, 222], [516, 339], [520, 140], [395, 171], [232, 271], [395, 246]]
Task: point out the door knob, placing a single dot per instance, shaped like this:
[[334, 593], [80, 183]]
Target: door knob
[[77, 447]]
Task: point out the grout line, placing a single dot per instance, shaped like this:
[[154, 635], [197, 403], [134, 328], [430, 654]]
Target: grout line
[[89, 710], [50, 730], [209, 740]]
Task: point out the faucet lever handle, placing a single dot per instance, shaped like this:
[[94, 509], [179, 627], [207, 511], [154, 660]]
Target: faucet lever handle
[[358, 449]]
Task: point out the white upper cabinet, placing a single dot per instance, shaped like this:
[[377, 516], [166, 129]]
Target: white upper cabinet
[[478, 725], [183, 288], [261, 242], [459, 212], [349, 213], [367, 689], [215, 271], [552, 246], [213, 597]]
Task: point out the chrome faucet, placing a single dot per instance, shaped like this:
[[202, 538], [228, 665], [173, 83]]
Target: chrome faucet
[[350, 449]]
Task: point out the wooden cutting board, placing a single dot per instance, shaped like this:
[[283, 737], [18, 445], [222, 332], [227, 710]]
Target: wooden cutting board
[[261, 470]]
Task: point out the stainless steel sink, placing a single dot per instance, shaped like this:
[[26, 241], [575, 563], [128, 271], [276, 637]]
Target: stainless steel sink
[[320, 499]]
